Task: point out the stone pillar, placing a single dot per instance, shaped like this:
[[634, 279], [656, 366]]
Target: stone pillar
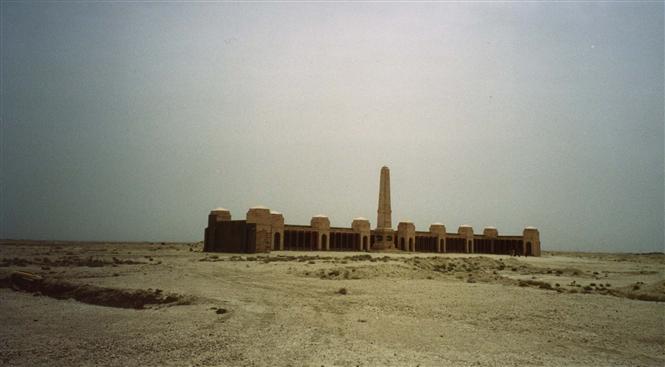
[[277, 229], [491, 233], [216, 215], [260, 216], [467, 231], [321, 224], [531, 236], [438, 230], [221, 214], [361, 227], [384, 232], [384, 212], [406, 233]]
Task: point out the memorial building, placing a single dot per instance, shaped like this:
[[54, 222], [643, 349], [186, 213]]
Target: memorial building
[[264, 230]]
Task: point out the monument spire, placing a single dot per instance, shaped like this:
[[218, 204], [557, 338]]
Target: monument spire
[[384, 217], [384, 234]]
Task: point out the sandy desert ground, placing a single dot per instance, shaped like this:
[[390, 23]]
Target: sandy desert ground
[[153, 304]]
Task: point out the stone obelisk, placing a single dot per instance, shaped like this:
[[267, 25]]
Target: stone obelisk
[[384, 233]]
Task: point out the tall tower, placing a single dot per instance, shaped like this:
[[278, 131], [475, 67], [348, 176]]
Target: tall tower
[[384, 233], [384, 217]]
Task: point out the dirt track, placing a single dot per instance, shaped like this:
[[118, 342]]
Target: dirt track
[[289, 308]]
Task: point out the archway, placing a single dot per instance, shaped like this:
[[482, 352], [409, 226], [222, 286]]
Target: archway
[[401, 244], [411, 248], [365, 244], [276, 241], [528, 249], [324, 242], [441, 248]]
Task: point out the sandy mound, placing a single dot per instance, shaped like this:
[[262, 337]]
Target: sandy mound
[[365, 272], [69, 261], [644, 292], [112, 297]]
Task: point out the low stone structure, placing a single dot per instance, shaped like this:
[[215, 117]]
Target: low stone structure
[[264, 230]]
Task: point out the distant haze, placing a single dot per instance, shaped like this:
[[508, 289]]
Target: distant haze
[[130, 121]]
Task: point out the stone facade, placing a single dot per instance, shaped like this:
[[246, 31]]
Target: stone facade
[[277, 222], [384, 233], [260, 216], [361, 226], [264, 230], [439, 230], [321, 224], [406, 236]]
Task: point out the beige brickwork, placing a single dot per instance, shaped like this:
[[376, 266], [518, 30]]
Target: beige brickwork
[[467, 231], [531, 237], [277, 229], [490, 232], [361, 226], [383, 234], [438, 230], [321, 224], [221, 214], [406, 236], [260, 216]]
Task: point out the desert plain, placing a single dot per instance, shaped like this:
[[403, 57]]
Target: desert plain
[[170, 304]]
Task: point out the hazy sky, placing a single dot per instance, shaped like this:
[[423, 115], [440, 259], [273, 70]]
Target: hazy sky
[[130, 121]]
